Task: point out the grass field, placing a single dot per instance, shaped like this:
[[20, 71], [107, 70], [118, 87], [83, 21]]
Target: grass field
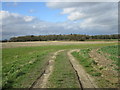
[[18, 66], [22, 65]]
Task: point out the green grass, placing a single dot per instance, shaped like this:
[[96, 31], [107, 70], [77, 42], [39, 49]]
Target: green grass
[[0, 67], [113, 52], [21, 66], [88, 63], [63, 75], [102, 40], [85, 60], [22, 71]]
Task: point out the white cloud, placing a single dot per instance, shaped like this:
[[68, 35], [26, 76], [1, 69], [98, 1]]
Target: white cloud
[[34, 26], [90, 18], [61, 1], [63, 5], [68, 10], [28, 18], [92, 15], [86, 23], [75, 16], [16, 26], [6, 14]]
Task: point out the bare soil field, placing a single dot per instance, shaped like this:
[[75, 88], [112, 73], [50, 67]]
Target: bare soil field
[[45, 43]]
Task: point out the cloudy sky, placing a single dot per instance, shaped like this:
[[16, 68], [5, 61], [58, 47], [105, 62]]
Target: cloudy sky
[[43, 18]]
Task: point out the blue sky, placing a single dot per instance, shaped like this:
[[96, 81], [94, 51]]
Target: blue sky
[[43, 18], [36, 9]]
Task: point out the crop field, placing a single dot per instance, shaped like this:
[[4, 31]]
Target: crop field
[[99, 65], [89, 64]]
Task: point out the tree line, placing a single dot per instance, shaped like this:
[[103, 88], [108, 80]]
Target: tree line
[[70, 37]]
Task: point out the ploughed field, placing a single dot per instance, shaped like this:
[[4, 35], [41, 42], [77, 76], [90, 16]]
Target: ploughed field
[[60, 64]]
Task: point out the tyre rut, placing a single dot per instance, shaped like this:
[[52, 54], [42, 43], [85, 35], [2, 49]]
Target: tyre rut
[[85, 80], [41, 81]]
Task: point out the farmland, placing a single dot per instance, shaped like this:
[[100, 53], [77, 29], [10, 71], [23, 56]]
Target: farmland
[[104, 69], [25, 64]]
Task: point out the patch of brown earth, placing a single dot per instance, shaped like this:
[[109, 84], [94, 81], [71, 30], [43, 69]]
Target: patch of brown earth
[[107, 70]]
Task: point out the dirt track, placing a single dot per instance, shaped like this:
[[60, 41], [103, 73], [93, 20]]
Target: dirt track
[[42, 80], [84, 78]]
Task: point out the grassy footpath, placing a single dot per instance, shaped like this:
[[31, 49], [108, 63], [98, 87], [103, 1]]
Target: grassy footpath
[[63, 75], [21, 66]]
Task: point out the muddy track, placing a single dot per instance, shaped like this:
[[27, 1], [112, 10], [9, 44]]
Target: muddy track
[[41, 81], [85, 80]]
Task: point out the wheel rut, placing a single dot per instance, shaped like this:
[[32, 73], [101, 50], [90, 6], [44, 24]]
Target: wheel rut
[[85, 80], [41, 81]]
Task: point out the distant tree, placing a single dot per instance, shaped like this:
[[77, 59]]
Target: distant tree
[[5, 40], [70, 37]]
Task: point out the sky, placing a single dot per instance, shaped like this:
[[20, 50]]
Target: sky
[[44, 18]]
